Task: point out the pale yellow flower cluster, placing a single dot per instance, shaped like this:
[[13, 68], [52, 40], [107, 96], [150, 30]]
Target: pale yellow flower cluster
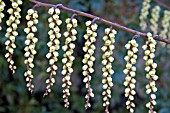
[[2, 6], [68, 59], [54, 46], [89, 59], [107, 59], [30, 42], [11, 31], [150, 68], [154, 20], [130, 71], [144, 14]]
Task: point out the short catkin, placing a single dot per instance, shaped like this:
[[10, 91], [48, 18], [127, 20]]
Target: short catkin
[[144, 14], [53, 45], [11, 32], [68, 57], [130, 71], [30, 43], [89, 59], [107, 59], [149, 49]]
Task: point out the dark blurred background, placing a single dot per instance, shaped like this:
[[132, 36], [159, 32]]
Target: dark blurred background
[[14, 96]]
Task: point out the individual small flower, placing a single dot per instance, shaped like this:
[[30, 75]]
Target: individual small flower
[[11, 32], [2, 6], [150, 69], [144, 14], [89, 59], [154, 20], [30, 43], [130, 72], [68, 57], [165, 25], [107, 59], [54, 46]]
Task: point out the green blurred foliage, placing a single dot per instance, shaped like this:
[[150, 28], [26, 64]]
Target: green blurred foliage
[[14, 97]]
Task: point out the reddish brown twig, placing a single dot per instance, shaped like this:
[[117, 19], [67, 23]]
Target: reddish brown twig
[[162, 4], [116, 25]]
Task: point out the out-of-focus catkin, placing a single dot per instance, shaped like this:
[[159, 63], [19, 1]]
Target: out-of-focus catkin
[[165, 25], [154, 20], [144, 14]]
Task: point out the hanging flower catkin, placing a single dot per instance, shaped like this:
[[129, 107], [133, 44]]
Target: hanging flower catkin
[[154, 20], [144, 14], [150, 68], [68, 57], [11, 32], [54, 46], [130, 71], [30, 42], [89, 59], [108, 48], [2, 6]]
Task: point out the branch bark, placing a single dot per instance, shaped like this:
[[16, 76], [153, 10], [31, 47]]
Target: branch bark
[[162, 4], [113, 24]]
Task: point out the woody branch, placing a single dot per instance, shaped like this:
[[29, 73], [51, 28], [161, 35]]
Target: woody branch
[[113, 24]]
